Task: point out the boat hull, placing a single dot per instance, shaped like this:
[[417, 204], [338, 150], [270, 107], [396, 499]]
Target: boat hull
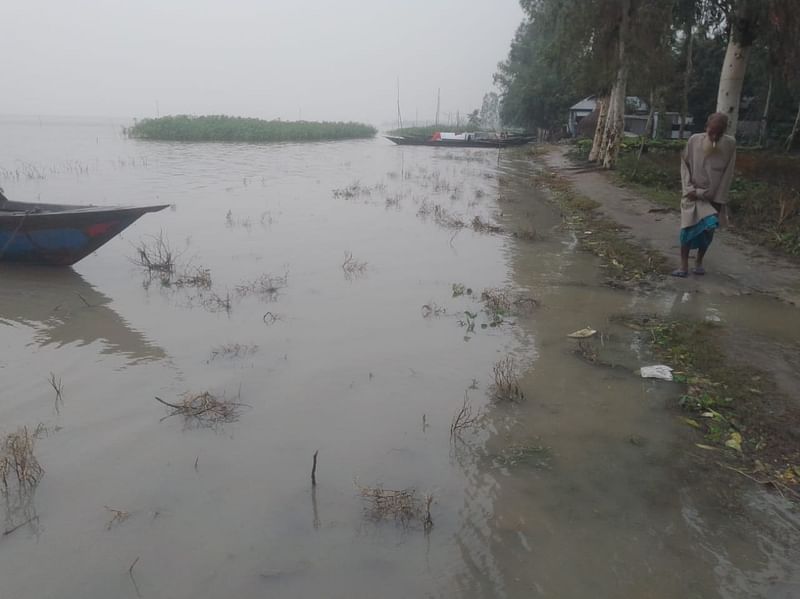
[[57, 235], [458, 143]]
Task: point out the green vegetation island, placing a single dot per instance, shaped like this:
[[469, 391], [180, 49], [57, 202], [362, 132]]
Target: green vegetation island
[[241, 129]]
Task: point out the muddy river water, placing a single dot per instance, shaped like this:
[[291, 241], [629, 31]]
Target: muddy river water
[[361, 348]]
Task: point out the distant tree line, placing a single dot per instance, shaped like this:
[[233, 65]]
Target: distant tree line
[[690, 56]]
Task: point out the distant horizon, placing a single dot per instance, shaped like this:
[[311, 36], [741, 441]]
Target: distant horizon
[[299, 60], [386, 124]]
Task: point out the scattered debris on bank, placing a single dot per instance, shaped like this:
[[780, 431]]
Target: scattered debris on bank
[[627, 263], [744, 418]]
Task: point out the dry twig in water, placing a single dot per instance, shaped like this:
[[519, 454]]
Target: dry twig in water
[[117, 517], [232, 350], [314, 470], [58, 387], [445, 219], [204, 408], [133, 580], [506, 382], [484, 226], [31, 520], [503, 302], [433, 309], [196, 277], [217, 303], [427, 523], [19, 468], [403, 505], [156, 256], [267, 286], [497, 301], [351, 266], [463, 419]]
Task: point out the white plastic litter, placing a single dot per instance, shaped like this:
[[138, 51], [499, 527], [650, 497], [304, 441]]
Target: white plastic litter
[[583, 333], [658, 371]]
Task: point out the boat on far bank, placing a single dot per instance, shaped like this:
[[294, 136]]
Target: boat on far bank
[[462, 140], [60, 234]]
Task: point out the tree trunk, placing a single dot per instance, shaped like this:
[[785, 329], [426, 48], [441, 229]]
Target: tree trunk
[[762, 135], [793, 134], [615, 121], [602, 111], [687, 77], [647, 128], [731, 80], [602, 143]]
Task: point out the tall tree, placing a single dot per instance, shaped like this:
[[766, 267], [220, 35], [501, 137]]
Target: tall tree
[[783, 19], [743, 22], [614, 124], [687, 77], [568, 49], [490, 112], [536, 86], [642, 40], [686, 16]]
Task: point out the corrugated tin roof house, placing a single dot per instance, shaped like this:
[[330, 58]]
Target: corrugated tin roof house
[[635, 117], [585, 107], [578, 112]]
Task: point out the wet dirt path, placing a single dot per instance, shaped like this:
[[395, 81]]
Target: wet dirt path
[[735, 266]]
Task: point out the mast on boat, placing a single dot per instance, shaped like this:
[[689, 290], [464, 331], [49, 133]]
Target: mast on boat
[[399, 116]]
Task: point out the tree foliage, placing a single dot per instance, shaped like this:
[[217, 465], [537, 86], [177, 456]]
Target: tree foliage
[[565, 50]]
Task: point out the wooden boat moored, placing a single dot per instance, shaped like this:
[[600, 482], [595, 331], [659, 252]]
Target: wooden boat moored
[[460, 140], [60, 234]]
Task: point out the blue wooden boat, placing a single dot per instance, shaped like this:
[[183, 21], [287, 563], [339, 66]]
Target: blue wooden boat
[[60, 234]]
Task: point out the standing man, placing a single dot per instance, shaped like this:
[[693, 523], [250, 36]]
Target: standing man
[[706, 174]]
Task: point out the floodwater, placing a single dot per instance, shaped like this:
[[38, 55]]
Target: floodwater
[[589, 487]]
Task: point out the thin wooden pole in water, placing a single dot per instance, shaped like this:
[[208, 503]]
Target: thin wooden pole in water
[[314, 470], [133, 580]]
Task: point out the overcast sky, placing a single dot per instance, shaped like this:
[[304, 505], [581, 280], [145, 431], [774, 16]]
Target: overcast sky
[[322, 60]]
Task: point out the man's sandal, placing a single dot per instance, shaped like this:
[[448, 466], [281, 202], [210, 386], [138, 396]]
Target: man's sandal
[[679, 273]]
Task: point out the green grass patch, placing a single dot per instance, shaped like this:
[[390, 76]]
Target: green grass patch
[[239, 129]]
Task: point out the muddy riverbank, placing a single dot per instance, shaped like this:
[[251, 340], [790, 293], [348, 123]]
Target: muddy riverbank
[[738, 266], [397, 279], [743, 383]]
